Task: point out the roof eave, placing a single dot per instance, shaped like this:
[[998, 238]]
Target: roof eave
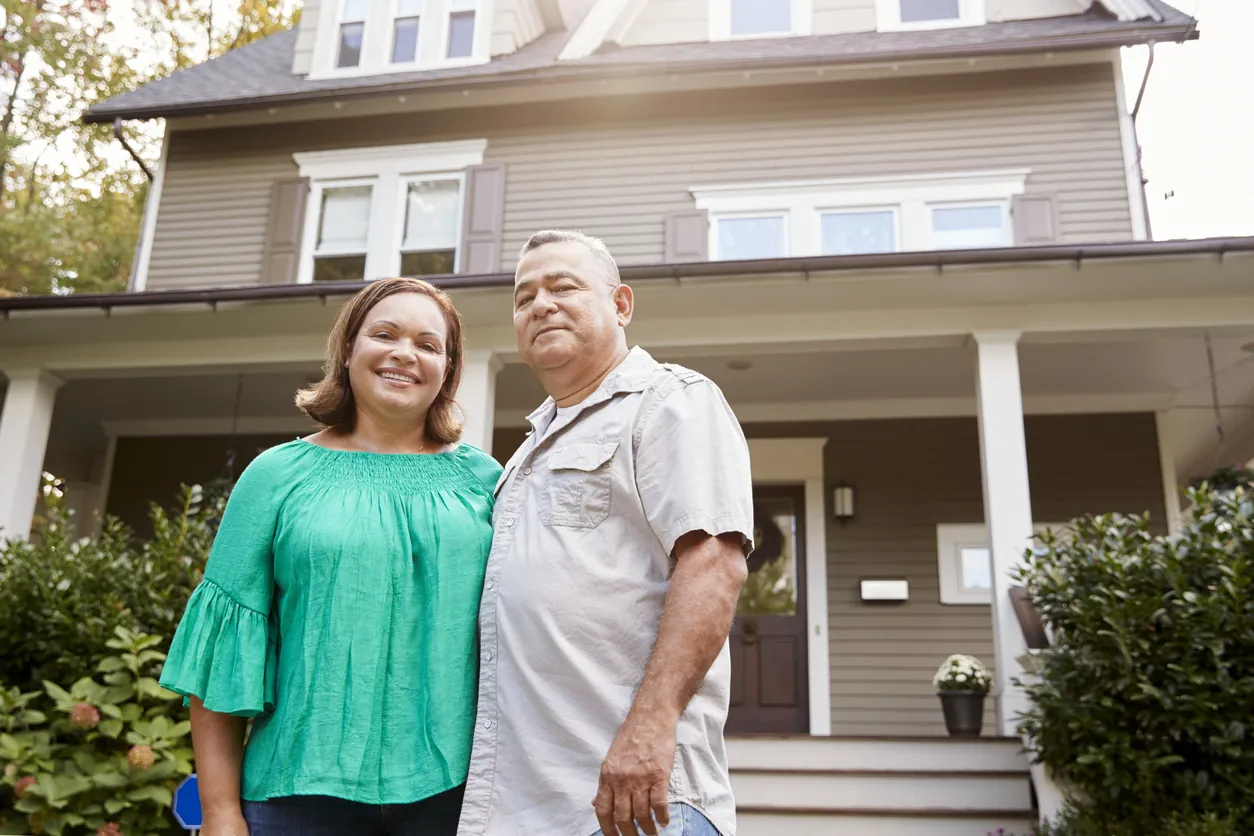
[[939, 259], [1150, 33]]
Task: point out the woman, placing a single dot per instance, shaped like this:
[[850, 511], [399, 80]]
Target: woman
[[339, 604]]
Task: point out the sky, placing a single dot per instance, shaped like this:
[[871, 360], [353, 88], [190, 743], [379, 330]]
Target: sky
[[1196, 124]]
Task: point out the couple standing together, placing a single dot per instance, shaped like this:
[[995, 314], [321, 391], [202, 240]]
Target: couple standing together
[[430, 645]]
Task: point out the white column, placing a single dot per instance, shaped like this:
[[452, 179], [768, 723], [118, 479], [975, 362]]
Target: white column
[[1008, 515], [477, 398], [24, 424], [1172, 500]]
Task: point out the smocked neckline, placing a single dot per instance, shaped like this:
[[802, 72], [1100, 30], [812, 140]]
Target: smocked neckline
[[406, 456]]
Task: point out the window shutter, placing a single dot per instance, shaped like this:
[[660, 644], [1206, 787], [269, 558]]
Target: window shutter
[[484, 220], [687, 236], [1035, 220], [283, 232]]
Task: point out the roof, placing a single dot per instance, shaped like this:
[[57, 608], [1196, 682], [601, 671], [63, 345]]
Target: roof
[[260, 74], [936, 259]]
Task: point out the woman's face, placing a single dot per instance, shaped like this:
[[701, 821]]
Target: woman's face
[[398, 360]]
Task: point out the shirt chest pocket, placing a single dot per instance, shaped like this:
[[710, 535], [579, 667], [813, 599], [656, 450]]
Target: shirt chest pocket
[[579, 484]]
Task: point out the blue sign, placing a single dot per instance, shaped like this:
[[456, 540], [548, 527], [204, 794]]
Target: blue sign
[[187, 804]]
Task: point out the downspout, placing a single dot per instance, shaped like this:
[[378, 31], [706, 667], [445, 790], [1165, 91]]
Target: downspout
[[1140, 172], [121, 137]]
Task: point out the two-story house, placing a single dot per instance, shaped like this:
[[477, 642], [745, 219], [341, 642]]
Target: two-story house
[[908, 238]]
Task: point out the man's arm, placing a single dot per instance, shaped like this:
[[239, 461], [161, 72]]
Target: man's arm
[[699, 608]]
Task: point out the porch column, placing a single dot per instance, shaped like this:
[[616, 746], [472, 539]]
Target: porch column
[[24, 424], [477, 398], [1172, 500], [1008, 515]]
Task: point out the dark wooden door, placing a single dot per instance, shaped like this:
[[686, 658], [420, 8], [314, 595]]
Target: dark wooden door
[[770, 688]]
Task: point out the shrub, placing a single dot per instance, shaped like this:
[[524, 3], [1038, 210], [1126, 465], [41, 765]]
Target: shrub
[[106, 760], [62, 598], [1142, 705]]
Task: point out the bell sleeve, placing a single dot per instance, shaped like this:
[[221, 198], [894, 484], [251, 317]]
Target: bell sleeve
[[225, 650]]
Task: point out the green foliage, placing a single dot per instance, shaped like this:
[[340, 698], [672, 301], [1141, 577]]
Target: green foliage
[[1085, 821], [1142, 705], [61, 599], [107, 751]]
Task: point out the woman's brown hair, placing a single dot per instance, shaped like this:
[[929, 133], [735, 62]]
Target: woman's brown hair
[[330, 401]]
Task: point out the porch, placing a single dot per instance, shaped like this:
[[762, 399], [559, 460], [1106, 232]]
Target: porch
[[982, 399]]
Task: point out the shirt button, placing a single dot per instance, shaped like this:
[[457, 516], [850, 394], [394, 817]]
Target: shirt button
[[526, 471], [487, 656], [491, 585], [509, 523], [487, 724]]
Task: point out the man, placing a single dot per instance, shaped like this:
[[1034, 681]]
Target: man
[[621, 530]]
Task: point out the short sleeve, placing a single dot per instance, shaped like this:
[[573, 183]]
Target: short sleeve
[[485, 468], [225, 648], [692, 465]]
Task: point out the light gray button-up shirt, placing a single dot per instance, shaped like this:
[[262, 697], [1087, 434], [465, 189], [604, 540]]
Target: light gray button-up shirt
[[588, 511]]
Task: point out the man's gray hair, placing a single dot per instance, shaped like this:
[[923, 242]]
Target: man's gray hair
[[594, 245]]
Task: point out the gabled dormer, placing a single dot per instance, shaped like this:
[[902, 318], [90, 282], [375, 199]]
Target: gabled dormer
[[347, 38]]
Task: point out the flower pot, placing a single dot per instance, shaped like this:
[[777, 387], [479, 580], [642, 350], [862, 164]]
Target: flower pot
[[964, 712]]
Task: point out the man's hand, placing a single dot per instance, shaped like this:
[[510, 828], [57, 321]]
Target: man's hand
[[635, 776]]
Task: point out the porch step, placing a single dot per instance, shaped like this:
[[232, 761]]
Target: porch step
[[880, 786]]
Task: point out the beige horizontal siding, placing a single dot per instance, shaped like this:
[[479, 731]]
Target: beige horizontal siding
[[515, 24], [669, 22], [302, 61], [837, 17], [1027, 9], [615, 167], [911, 475]]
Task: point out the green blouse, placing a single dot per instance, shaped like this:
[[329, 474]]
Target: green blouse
[[339, 609]]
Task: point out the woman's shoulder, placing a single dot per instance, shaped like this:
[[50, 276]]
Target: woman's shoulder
[[276, 463], [485, 468]]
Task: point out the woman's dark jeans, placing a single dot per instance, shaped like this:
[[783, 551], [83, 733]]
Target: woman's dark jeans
[[320, 815]]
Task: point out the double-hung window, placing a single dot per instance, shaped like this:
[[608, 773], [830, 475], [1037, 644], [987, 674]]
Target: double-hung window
[[760, 18], [461, 29], [965, 562], [351, 33], [387, 211], [861, 216], [406, 28], [928, 14], [365, 37]]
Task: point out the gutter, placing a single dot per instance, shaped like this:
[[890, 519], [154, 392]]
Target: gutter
[[938, 260], [613, 70]]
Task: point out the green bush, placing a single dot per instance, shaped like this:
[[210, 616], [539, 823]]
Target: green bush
[[105, 758], [1142, 706], [1080, 820], [61, 598]]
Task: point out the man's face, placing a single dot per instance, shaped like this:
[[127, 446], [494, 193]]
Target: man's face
[[565, 309]]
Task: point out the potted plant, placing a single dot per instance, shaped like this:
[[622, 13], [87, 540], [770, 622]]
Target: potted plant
[[962, 682]]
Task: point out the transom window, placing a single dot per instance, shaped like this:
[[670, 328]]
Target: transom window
[[386, 211], [759, 18], [859, 216], [928, 14]]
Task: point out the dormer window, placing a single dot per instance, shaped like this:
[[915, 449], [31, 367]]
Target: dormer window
[[897, 15], [461, 28], [731, 19], [352, 33], [368, 37], [405, 30]]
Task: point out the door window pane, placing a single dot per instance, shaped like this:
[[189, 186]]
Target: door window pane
[[405, 40], [461, 34], [967, 227], [771, 588], [761, 17], [977, 568], [851, 233], [920, 11], [350, 44], [745, 238], [345, 222]]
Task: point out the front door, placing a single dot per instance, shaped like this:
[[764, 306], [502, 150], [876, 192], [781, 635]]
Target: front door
[[770, 689]]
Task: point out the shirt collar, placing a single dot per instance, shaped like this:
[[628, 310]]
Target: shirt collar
[[631, 375]]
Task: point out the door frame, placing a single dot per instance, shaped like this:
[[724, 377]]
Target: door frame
[[792, 461]]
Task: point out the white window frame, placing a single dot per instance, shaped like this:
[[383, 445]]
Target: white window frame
[[451, 7], [340, 6], [888, 17], [911, 195], [951, 538], [388, 169], [315, 199], [377, 39], [720, 21], [820, 211], [403, 184], [1003, 205]]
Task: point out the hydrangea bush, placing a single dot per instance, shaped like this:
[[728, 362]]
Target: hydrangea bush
[[961, 672]]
